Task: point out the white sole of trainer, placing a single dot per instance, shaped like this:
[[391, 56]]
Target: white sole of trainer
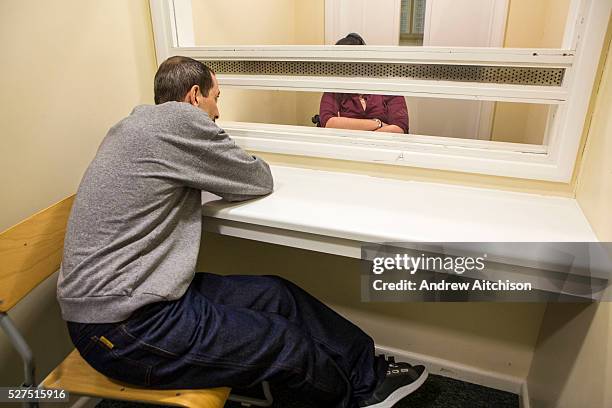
[[401, 392]]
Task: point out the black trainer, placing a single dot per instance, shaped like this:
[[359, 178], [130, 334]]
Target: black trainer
[[401, 380]]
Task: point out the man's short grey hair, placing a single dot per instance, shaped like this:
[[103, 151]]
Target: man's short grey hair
[[175, 77]]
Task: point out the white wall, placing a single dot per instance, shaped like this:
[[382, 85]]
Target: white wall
[[572, 364]]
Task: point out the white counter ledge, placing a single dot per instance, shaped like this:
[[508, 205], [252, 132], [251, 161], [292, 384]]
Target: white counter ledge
[[334, 212]]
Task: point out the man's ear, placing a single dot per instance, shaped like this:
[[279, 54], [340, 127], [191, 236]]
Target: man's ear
[[192, 95]]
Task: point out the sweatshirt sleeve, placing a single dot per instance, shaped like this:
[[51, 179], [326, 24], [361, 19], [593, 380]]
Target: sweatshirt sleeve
[[201, 155], [231, 173]]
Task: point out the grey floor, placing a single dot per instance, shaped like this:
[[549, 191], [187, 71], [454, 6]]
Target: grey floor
[[437, 392]]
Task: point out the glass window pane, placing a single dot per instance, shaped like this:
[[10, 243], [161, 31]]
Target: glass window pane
[[463, 119], [517, 23]]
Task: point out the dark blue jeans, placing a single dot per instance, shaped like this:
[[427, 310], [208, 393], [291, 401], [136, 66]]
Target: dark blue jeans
[[237, 331]]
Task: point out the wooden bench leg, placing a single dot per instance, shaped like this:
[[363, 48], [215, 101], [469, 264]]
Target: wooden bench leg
[[258, 402], [24, 351]]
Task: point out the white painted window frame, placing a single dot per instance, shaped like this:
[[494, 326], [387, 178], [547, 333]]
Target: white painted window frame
[[583, 41]]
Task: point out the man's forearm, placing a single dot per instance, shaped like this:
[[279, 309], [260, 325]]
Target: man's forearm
[[338, 122]]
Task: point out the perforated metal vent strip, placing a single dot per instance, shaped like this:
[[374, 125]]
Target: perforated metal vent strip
[[461, 73]]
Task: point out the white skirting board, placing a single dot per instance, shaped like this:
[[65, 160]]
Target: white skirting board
[[462, 372]]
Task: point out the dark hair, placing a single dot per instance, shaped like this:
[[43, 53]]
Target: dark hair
[[175, 77], [351, 39]]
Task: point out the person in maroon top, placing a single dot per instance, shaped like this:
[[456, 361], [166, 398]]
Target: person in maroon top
[[380, 113]]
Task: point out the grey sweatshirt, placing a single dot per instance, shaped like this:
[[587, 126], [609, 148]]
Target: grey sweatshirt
[[134, 231]]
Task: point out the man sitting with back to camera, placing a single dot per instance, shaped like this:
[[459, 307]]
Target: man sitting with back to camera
[[135, 308]]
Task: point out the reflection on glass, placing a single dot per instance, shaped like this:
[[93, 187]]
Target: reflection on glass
[[497, 121], [470, 23]]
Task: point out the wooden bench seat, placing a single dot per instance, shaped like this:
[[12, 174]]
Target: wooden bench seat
[[77, 377]]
